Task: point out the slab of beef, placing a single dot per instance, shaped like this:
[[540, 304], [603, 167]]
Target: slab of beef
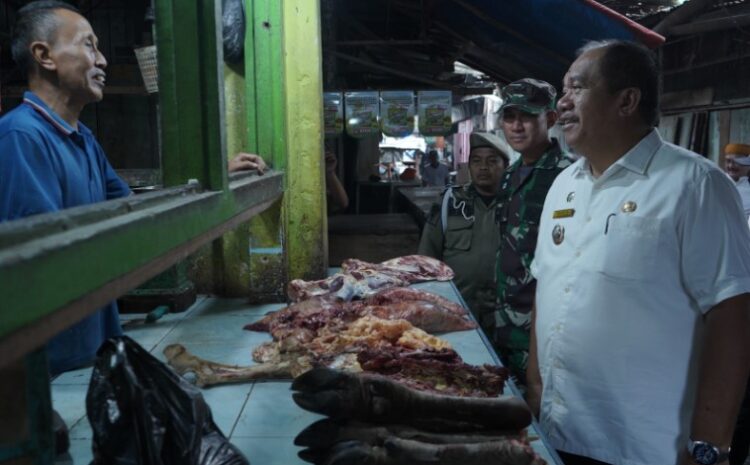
[[334, 346], [424, 310], [359, 279], [399, 294], [410, 268], [343, 286], [338, 338], [441, 372]]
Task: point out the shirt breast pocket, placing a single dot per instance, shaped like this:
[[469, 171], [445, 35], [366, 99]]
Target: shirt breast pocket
[[458, 234], [630, 248]]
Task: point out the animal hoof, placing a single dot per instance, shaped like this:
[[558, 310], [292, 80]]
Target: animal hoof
[[319, 379], [322, 433]]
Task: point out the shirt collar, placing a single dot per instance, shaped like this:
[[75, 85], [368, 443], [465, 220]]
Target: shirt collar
[[637, 159], [51, 117]]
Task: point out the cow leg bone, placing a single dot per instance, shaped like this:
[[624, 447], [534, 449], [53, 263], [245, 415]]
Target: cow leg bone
[[209, 373]]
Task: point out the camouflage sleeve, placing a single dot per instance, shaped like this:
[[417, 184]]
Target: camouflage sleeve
[[431, 243]]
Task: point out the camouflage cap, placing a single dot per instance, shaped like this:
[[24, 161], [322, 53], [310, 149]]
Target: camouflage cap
[[529, 95]]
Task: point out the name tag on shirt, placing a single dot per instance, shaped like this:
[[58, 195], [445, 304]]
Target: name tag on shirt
[[566, 213]]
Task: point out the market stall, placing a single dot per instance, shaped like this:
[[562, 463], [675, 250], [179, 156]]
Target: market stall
[[260, 418]]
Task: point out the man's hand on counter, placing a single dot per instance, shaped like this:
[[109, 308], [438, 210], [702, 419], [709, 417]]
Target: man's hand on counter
[[247, 161]]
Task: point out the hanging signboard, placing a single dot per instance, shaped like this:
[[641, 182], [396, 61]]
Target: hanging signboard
[[434, 109], [333, 113], [362, 113], [397, 112]]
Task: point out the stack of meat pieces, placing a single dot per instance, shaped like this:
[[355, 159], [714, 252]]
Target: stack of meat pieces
[[358, 279], [375, 420], [300, 322], [393, 348], [385, 331]]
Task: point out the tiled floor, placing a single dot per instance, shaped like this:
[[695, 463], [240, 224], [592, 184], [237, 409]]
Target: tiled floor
[[259, 418]]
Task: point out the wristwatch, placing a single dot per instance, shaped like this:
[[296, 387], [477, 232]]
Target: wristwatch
[[706, 453]]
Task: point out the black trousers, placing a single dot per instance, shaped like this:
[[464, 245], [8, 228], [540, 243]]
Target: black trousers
[[572, 459], [741, 438]]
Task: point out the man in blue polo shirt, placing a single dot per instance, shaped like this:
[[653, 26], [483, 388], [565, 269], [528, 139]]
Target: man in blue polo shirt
[[48, 159]]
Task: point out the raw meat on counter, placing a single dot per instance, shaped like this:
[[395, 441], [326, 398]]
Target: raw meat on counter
[[410, 268], [424, 310], [391, 347], [359, 279], [441, 372]]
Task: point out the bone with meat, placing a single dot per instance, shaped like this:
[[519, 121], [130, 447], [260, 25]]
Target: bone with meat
[[286, 359], [359, 279], [399, 294], [209, 373], [410, 268], [433, 314], [391, 347], [339, 338], [441, 372]]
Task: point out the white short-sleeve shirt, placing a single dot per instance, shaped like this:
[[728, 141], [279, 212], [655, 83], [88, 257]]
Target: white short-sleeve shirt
[[625, 266], [743, 187]]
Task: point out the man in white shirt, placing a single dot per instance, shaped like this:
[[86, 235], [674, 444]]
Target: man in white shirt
[[640, 348], [434, 173], [737, 166]]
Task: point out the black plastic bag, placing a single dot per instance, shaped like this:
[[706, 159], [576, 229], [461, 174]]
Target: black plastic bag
[[233, 30], [141, 412]]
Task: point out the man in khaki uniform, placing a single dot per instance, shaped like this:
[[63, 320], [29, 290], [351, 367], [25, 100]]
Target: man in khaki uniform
[[461, 228]]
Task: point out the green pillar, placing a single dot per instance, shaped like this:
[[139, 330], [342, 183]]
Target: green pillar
[[193, 124], [306, 227], [231, 273], [283, 123], [264, 93]]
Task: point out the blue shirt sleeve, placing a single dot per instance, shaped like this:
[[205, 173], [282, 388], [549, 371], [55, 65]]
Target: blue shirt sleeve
[[115, 187], [28, 181]]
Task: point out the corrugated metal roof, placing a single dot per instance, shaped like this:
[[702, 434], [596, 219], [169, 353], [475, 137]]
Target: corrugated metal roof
[[385, 43]]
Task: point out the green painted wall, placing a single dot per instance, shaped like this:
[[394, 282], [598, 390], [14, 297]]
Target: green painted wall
[[264, 92], [230, 253], [273, 107]]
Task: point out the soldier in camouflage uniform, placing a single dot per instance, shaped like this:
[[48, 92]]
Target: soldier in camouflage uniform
[[527, 114], [461, 228]]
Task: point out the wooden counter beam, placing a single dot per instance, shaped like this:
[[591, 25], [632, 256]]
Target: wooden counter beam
[[57, 268]]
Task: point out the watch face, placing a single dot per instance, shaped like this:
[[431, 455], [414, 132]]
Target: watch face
[[705, 454]]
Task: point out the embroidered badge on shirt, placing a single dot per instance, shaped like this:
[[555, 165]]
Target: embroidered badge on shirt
[[570, 197], [558, 234], [629, 207], [566, 213]]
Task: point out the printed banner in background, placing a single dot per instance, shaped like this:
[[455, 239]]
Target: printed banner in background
[[333, 113], [434, 109], [397, 112], [362, 113]]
